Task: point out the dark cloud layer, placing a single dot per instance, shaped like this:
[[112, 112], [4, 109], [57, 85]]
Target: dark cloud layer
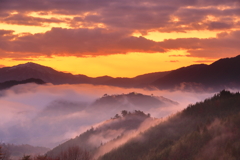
[[21, 19], [78, 42], [135, 15], [118, 21], [226, 44], [94, 42]]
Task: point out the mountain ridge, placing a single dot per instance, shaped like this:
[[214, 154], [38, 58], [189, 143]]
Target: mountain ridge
[[11, 83], [221, 74], [49, 75]]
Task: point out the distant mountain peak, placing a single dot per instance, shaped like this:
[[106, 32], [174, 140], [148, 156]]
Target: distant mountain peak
[[33, 67], [28, 64]]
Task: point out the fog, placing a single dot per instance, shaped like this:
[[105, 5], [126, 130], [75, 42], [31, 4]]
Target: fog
[[125, 136], [47, 115]]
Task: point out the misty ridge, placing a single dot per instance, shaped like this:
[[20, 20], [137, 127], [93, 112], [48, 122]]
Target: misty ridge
[[116, 118], [209, 128], [48, 115], [62, 111]]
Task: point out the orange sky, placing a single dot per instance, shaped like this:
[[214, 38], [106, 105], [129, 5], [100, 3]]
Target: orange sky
[[116, 38]]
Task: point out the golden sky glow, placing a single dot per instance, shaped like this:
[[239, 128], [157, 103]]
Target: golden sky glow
[[158, 36], [117, 65], [99, 39]]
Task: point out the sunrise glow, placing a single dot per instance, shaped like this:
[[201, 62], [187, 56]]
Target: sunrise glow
[[101, 41]]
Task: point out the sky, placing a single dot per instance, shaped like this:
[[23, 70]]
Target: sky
[[118, 38]]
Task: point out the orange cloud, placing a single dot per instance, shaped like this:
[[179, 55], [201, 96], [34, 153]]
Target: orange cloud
[[106, 27], [21, 19], [142, 15], [77, 42], [94, 42]]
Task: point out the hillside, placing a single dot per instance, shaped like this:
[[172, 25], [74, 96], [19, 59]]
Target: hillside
[[221, 74], [130, 101], [105, 132], [206, 130]]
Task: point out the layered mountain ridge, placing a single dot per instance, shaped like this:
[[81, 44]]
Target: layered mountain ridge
[[219, 75]]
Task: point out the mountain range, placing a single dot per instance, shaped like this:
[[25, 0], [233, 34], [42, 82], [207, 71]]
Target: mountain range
[[221, 74], [32, 70]]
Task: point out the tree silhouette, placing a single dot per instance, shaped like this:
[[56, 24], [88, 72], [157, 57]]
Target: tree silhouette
[[124, 113]]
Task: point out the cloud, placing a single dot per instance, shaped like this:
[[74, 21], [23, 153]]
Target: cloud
[[204, 61], [219, 25], [173, 61], [21, 19], [76, 42], [99, 41], [225, 45], [139, 15], [22, 59], [106, 27], [179, 55], [47, 115]]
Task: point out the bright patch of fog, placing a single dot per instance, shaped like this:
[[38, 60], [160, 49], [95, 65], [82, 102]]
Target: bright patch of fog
[[46, 115]]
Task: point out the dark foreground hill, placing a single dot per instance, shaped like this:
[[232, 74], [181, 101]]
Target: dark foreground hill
[[207, 130]]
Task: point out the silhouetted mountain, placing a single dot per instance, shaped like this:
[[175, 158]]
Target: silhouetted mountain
[[206, 130], [138, 81], [11, 83], [221, 74], [49, 75]]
